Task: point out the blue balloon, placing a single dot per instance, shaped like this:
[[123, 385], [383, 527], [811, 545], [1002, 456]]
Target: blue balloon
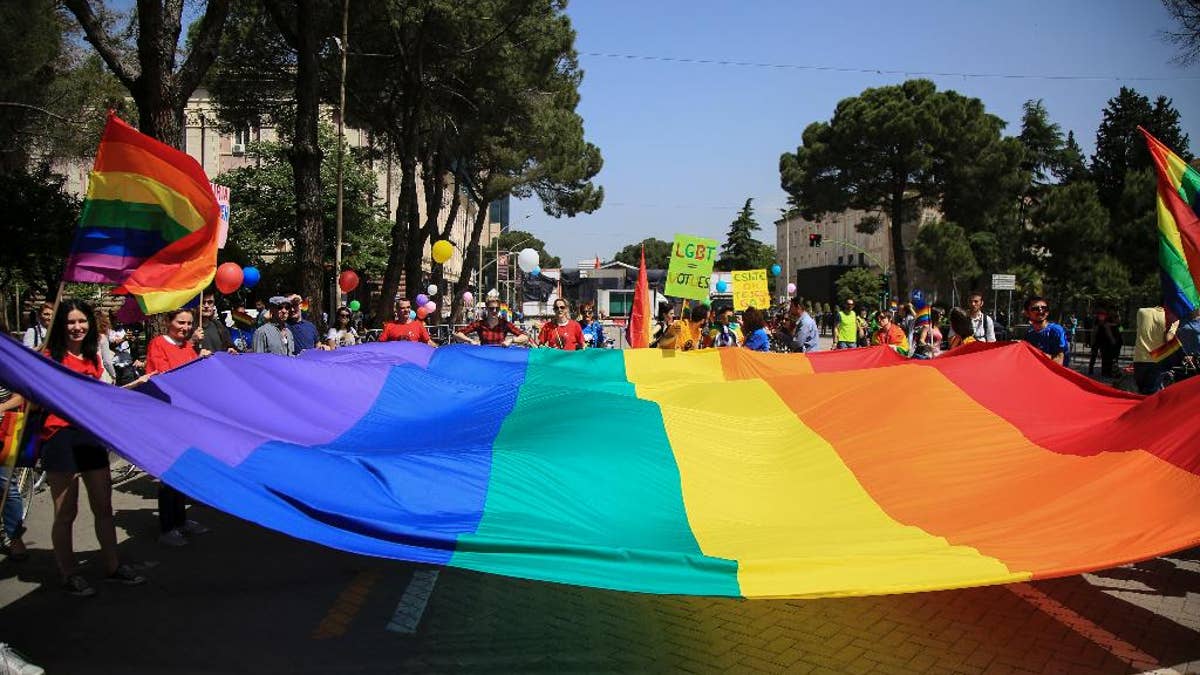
[[411, 315], [722, 286], [250, 277], [536, 271], [775, 270]]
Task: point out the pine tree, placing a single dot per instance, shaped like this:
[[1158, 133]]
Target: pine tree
[[741, 250]]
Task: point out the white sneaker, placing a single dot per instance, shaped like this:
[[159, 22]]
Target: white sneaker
[[173, 538], [14, 664], [193, 528]]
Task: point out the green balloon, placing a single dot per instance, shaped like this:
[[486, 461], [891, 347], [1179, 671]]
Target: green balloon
[[354, 305]]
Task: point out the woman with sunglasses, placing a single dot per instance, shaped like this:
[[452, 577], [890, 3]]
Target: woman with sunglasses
[[561, 332], [593, 330], [341, 333], [1044, 334]]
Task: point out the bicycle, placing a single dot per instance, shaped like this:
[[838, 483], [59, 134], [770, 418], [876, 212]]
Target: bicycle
[[30, 481]]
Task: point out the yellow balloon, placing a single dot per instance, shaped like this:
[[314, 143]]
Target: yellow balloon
[[441, 251]]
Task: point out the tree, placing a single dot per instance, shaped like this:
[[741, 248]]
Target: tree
[[1134, 226], [893, 146], [861, 283], [518, 240], [264, 215], [741, 251], [1042, 141], [53, 93], [159, 89], [41, 237], [943, 250], [1120, 147], [1187, 14], [1072, 165], [477, 96], [1071, 227], [658, 254]]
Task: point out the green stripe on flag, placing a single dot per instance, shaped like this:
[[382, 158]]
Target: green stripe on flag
[[585, 490], [131, 215]]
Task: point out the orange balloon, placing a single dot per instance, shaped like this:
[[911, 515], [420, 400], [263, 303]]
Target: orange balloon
[[229, 277], [422, 312]]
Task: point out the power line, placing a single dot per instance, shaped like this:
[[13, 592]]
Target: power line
[[887, 71]]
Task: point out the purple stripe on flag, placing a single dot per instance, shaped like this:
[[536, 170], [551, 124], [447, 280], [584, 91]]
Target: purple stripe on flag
[[100, 268], [220, 402]]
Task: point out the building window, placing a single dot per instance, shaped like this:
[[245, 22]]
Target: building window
[[862, 260], [840, 261]]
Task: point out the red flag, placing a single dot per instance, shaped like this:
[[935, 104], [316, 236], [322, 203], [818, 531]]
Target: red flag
[[640, 316]]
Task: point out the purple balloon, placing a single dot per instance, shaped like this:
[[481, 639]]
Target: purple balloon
[[422, 300]]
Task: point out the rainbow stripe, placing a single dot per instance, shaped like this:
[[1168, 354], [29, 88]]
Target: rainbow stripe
[[149, 222], [13, 423], [1178, 228], [922, 314], [717, 472]]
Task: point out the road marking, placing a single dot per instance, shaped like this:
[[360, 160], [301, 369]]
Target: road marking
[[412, 604], [346, 606], [1102, 638]]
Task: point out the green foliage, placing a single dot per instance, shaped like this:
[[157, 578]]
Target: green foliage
[[263, 213], [741, 251], [62, 90], [40, 233], [1071, 228], [862, 284], [1134, 226], [1072, 165], [892, 147], [944, 251], [1120, 147], [517, 240], [658, 254]]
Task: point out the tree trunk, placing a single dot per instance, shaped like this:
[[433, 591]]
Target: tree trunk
[[305, 157], [161, 117], [898, 259], [470, 258]]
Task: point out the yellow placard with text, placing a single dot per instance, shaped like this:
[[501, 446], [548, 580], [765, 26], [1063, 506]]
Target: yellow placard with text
[[750, 290], [691, 266]]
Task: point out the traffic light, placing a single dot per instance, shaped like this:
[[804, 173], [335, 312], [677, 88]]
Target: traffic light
[[814, 239]]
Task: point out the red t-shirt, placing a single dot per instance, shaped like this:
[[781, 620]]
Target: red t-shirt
[[409, 331], [81, 366], [163, 355], [568, 337]]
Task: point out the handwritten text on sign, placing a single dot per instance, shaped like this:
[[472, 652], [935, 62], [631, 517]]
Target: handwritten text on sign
[[691, 266], [750, 289]]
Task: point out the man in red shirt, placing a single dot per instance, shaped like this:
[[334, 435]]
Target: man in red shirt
[[492, 330], [405, 328], [561, 332]]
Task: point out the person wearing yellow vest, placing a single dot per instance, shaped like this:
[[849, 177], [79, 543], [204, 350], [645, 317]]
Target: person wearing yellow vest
[[846, 331], [1154, 349]]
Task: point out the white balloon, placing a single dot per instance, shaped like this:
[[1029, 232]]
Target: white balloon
[[493, 293], [432, 289], [527, 260]]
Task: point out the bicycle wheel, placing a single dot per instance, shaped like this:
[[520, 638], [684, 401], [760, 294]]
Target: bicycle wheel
[[27, 483]]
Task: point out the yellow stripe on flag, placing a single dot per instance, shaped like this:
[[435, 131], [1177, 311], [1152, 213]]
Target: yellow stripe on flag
[[743, 458], [136, 188]]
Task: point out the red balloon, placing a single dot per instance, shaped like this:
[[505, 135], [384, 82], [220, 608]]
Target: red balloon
[[422, 312], [229, 278], [348, 281]]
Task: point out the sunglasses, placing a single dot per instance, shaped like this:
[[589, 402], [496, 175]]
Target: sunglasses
[[344, 315], [560, 307], [1039, 308]]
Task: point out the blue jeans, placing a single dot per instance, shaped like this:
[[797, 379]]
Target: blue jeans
[[846, 345], [13, 522]]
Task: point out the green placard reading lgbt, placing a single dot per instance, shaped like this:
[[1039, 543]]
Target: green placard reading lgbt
[[691, 266]]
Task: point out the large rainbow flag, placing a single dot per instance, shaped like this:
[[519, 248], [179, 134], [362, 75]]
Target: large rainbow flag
[[718, 472], [1178, 207], [149, 223]]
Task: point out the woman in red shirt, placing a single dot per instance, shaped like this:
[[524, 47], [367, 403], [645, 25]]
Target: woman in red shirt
[[561, 332], [69, 453], [165, 352]]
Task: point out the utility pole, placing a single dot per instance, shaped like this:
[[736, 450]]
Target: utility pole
[[344, 47]]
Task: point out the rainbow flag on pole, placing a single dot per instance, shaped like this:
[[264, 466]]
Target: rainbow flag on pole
[[1178, 228], [149, 224]]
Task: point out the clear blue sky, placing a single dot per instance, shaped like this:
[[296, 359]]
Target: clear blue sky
[[685, 144]]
